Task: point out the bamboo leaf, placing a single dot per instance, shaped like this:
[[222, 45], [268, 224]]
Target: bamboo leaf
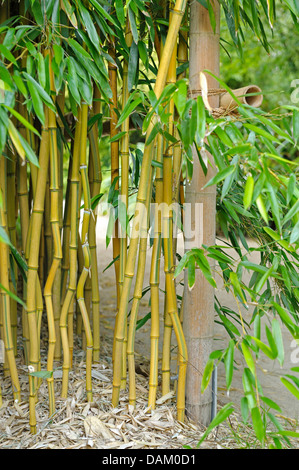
[[295, 233], [41, 69], [277, 238], [293, 211], [133, 25], [262, 208], [89, 26], [248, 357], [13, 296], [15, 138], [221, 416], [229, 363], [258, 424], [271, 403], [4, 238], [143, 320], [22, 120], [191, 272], [290, 387], [69, 10], [42, 93], [248, 192], [262, 132], [37, 102], [133, 64], [120, 13], [207, 374], [266, 350], [221, 175], [277, 337]]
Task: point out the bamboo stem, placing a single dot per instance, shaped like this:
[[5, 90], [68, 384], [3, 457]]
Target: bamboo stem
[[68, 304], [86, 251], [4, 279], [114, 148], [155, 281], [57, 249], [95, 164], [135, 305]]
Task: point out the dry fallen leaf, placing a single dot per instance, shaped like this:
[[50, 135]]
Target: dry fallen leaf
[[94, 427]]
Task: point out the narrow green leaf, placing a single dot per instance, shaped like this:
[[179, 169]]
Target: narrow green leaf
[[248, 192], [207, 374], [266, 350], [248, 357], [13, 296], [221, 416], [290, 387], [229, 363], [133, 64], [191, 272], [262, 208], [258, 424], [221, 175]]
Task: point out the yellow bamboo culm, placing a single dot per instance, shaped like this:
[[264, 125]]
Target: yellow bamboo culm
[[33, 239], [68, 303], [57, 249], [136, 299], [141, 199], [12, 208], [96, 171], [4, 279], [168, 174], [114, 149], [155, 280], [86, 250], [124, 192]]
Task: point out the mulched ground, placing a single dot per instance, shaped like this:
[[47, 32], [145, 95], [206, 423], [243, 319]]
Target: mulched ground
[[81, 425]]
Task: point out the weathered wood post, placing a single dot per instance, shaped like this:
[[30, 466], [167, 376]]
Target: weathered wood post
[[199, 302]]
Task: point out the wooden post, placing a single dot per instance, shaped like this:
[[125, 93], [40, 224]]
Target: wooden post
[[199, 302]]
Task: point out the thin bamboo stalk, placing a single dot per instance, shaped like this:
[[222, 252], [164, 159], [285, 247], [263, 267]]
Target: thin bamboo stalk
[[24, 222], [135, 305], [4, 279], [124, 155], [57, 249], [11, 226], [155, 280], [65, 264], [96, 186], [36, 220], [86, 251], [141, 198], [114, 149], [68, 304]]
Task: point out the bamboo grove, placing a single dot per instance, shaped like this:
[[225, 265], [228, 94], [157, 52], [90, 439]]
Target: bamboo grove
[[71, 73]]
